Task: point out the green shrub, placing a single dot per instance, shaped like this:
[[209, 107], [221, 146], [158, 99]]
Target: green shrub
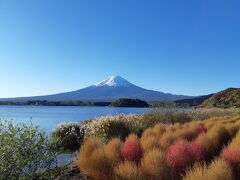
[[114, 129], [67, 137], [24, 151]]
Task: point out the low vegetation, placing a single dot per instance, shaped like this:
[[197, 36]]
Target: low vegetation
[[25, 151], [129, 103], [67, 137], [208, 149], [121, 125], [224, 99]]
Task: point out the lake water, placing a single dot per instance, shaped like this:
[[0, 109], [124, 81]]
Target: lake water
[[48, 117]]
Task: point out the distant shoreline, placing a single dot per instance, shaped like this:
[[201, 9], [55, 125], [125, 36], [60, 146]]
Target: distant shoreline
[[65, 103], [135, 103], [67, 106]]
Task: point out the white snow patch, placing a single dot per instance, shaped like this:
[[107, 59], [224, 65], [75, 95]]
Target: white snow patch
[[113, 81]]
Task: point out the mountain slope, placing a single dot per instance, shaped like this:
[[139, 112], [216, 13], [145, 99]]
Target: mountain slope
[[193, 101], [113, 88], [223, 99]]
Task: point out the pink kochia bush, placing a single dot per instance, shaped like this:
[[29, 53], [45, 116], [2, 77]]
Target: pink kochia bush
[[232, 156], [201, 128], [182, 155], [197, 151], [131, 151]]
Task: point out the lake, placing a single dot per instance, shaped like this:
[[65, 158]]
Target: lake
[[48, 117]]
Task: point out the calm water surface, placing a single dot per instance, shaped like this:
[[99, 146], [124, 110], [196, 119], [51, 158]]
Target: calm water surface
[[48, 117]]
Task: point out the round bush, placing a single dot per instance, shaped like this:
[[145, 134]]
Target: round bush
[[68, 136], [113, 129], [131, 151], [182, 155], [179, 156]]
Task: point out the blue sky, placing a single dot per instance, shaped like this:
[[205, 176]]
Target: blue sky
[[182, 47]]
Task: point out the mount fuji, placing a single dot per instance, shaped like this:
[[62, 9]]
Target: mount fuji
[[110, 89]]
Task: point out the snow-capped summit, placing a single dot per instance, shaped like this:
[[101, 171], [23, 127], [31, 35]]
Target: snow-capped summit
[[113, 81]]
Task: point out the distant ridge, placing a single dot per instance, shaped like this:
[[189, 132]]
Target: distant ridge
[[224, 99], [193, 101], [110, 89]]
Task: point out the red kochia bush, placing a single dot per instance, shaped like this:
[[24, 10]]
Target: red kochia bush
[[182, 155], [197, 151], [233, 157], [131, 151], [201, 128]]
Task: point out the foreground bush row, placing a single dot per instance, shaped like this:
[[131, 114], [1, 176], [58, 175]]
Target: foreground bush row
[[191, 150], [122, 125], [68, 137]]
